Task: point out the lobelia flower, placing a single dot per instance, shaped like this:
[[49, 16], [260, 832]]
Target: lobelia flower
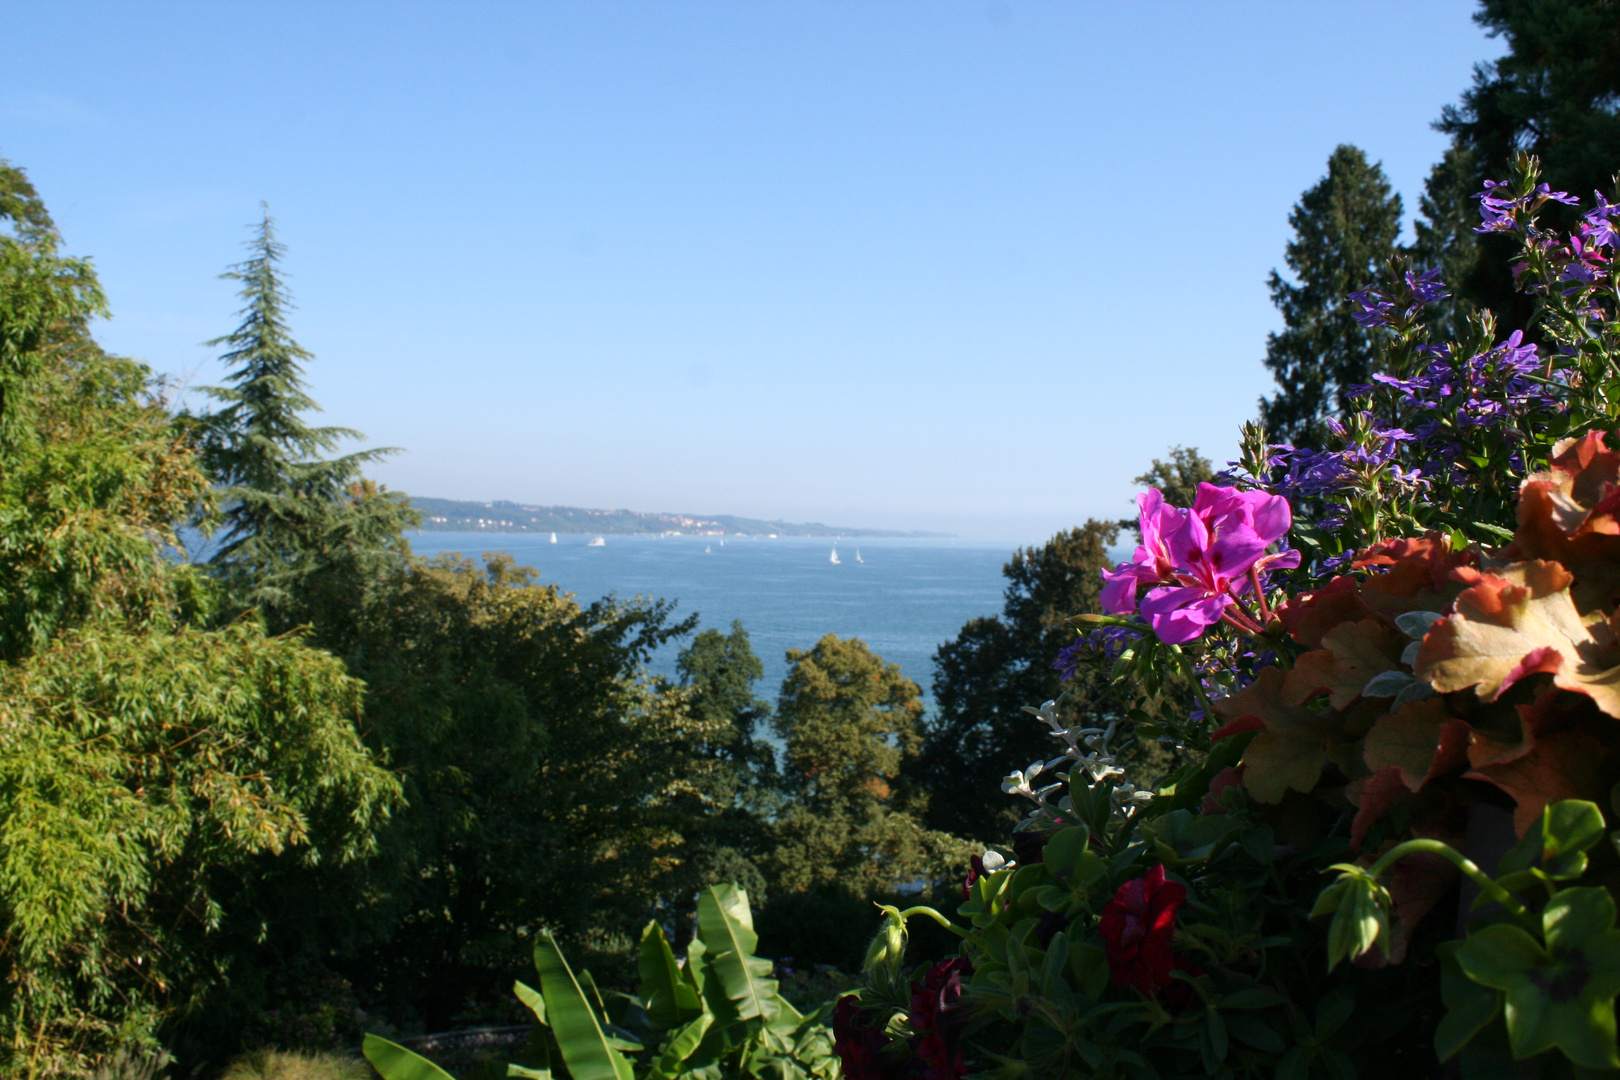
[[1137, 926]]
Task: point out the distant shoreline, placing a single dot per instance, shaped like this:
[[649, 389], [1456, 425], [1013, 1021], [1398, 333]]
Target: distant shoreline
[[502, 516]]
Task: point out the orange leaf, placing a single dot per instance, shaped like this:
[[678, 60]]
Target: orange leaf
[[1568, 514], [1422, 741], [1352, 654], [1310, 615], [1516, 622], [1566, 765], [1423, 574], [1292, 749]]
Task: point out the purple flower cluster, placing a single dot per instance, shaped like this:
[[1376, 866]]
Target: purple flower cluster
[[1202, 560], [1418, 291], [1104, 644], [1502, 211]]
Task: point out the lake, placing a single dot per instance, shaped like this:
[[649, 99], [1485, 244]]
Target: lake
[[903, 599]]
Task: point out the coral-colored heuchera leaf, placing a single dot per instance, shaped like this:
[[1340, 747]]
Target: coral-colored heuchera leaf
[[1421, 574], [1291, 750], [1310, 615], [1352, 653], [1566, 765], [1421, 741], [1517, 622], [1571, 514]]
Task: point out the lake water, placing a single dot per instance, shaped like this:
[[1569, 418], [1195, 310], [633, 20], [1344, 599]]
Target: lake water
[[903, 600]]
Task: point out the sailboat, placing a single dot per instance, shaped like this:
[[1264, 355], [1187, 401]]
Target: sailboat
[[858, 556], [835, 560], [706, 550], [553, 538]]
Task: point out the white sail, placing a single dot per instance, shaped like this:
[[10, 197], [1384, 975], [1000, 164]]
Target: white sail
[[553, 538], [835, 560], [858, 556]]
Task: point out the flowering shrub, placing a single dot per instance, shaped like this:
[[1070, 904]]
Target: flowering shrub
[[1405, 651]]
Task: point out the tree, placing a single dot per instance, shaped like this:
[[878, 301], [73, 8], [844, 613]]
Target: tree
[[302, 534], [1553, 95], [849, 723], [721, 670], [150, 769], [1345, 228]]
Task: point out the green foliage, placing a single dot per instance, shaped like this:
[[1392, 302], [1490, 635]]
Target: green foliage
[[150, 768], [717, 1015], [1345, 229], [998, 664], [849, 722], [302, 535], [1554, 974], [550, 784]]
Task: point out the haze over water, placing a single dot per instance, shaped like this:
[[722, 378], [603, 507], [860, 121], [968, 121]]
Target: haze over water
[[904, 600]]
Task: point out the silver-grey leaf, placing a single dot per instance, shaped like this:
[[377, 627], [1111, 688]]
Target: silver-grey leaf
[[1387, 684], [1414, 624]]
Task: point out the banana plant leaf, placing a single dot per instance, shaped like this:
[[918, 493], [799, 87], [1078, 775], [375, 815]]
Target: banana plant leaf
[[728, 935], [394, 1062], [679, 1049], [586, 1048], [668, 999]]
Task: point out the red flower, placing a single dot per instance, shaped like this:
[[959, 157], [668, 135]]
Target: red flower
[[934, 1018], [1136, 928], [859, 1042]]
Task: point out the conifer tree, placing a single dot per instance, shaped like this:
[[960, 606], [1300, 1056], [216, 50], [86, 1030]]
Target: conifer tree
[[1345, 229], [1553, 95], [300, 531]]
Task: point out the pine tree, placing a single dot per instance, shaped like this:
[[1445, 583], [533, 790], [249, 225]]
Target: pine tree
[[300, 531], [1345, 229]]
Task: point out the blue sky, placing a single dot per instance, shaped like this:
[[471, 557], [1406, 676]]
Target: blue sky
[[957, 266]]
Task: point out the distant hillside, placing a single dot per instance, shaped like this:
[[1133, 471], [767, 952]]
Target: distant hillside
[[448, 515]]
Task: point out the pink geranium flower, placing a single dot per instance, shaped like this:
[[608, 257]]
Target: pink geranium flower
[[1202, 559]]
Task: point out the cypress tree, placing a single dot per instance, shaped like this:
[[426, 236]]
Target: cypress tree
[[1345, 229], [300, 531]]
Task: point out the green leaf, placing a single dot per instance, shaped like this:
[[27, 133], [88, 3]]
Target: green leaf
[[584, 1045], [1555, 846], [1089, 964], [1561, 996], [1255, 997], [1252, 1031], [679, 1048], [394, 1062], [527, 1073], [668, 999], [728, 934], [532, 998], [1470, 1006], [1333, 1010], [1062, 853]]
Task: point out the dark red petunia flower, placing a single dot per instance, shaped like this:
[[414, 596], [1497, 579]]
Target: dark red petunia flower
[[859, 1041], [1136, 927], [935, 1017]]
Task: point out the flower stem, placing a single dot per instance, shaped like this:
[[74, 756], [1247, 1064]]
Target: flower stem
[[1259, 595], [1462, 863], [924, 909]]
